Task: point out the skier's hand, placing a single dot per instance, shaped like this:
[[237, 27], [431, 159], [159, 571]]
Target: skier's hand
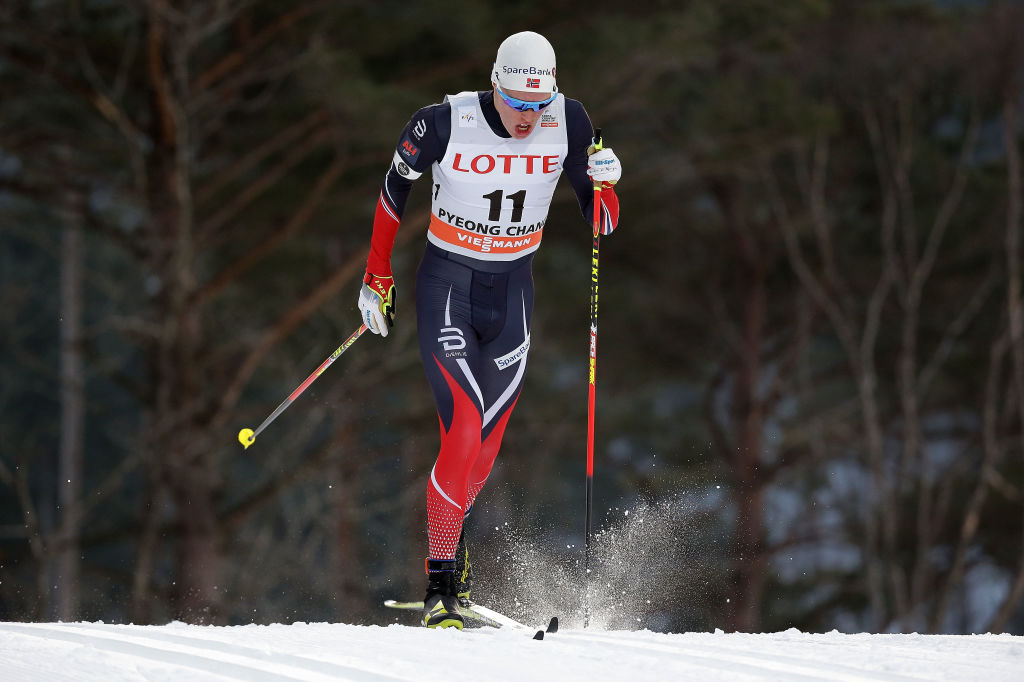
[[603, 166], [377, 303]]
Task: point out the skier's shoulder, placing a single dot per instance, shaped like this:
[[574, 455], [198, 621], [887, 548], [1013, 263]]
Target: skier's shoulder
[[575, 113], [426, 136], [433, 119], [578, 128], [573, 104]]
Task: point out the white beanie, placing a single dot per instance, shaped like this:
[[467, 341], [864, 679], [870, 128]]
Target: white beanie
[[525, 62]]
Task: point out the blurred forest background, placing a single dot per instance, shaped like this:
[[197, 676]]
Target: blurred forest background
[[811, 368]]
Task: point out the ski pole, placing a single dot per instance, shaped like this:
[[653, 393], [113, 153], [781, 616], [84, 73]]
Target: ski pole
[[592, 388], [247, 436]]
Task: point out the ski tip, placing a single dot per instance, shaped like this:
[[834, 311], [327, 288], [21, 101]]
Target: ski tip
[[539, 635], [553, 624]]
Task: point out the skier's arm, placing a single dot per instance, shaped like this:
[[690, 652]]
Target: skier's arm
[[580, 133], [423, 141]]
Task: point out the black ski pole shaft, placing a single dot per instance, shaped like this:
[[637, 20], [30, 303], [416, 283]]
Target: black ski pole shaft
[[592, 386]]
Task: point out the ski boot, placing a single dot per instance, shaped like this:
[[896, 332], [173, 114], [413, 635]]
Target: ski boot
[[463, 571], [441, 606]]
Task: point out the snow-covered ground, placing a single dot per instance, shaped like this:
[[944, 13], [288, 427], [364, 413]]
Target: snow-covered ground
[[323, 651]]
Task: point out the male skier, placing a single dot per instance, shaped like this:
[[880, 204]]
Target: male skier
[[495, 157]]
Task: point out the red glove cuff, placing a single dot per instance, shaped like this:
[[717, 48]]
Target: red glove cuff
[[609, 209], [378, 282]]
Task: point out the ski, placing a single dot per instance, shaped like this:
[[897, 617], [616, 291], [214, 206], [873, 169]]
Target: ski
[[481, 615], [505, 621]]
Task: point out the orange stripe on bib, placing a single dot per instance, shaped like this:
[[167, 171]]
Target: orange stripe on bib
[[484, 244]]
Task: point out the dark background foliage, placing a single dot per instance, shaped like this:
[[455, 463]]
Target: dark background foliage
[[811, 356]]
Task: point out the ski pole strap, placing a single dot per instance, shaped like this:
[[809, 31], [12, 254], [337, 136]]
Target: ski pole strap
[[598, 146]]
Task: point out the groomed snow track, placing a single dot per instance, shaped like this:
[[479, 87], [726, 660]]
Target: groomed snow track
[[319, 651]]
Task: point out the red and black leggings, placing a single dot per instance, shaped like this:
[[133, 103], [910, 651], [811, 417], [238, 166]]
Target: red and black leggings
[[473, 321]]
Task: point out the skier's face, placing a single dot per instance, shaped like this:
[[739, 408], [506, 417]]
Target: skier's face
[[519, 124]]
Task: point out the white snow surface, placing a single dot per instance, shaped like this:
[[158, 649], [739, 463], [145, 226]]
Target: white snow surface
[[329, 651]]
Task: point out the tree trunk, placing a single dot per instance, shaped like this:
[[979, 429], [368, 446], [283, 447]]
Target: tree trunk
[[140, 610], [747, 412], [72, 413], [1015, 311], [748, 489], [183, 448], [200, 561], [349, 566]]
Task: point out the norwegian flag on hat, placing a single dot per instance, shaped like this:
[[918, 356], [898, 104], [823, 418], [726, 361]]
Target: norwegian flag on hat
[[533, 82]]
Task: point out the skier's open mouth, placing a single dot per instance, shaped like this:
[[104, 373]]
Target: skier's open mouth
[[523, 129]]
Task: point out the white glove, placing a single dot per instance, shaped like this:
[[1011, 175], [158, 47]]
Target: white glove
[[603, 166], [377, 304]]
